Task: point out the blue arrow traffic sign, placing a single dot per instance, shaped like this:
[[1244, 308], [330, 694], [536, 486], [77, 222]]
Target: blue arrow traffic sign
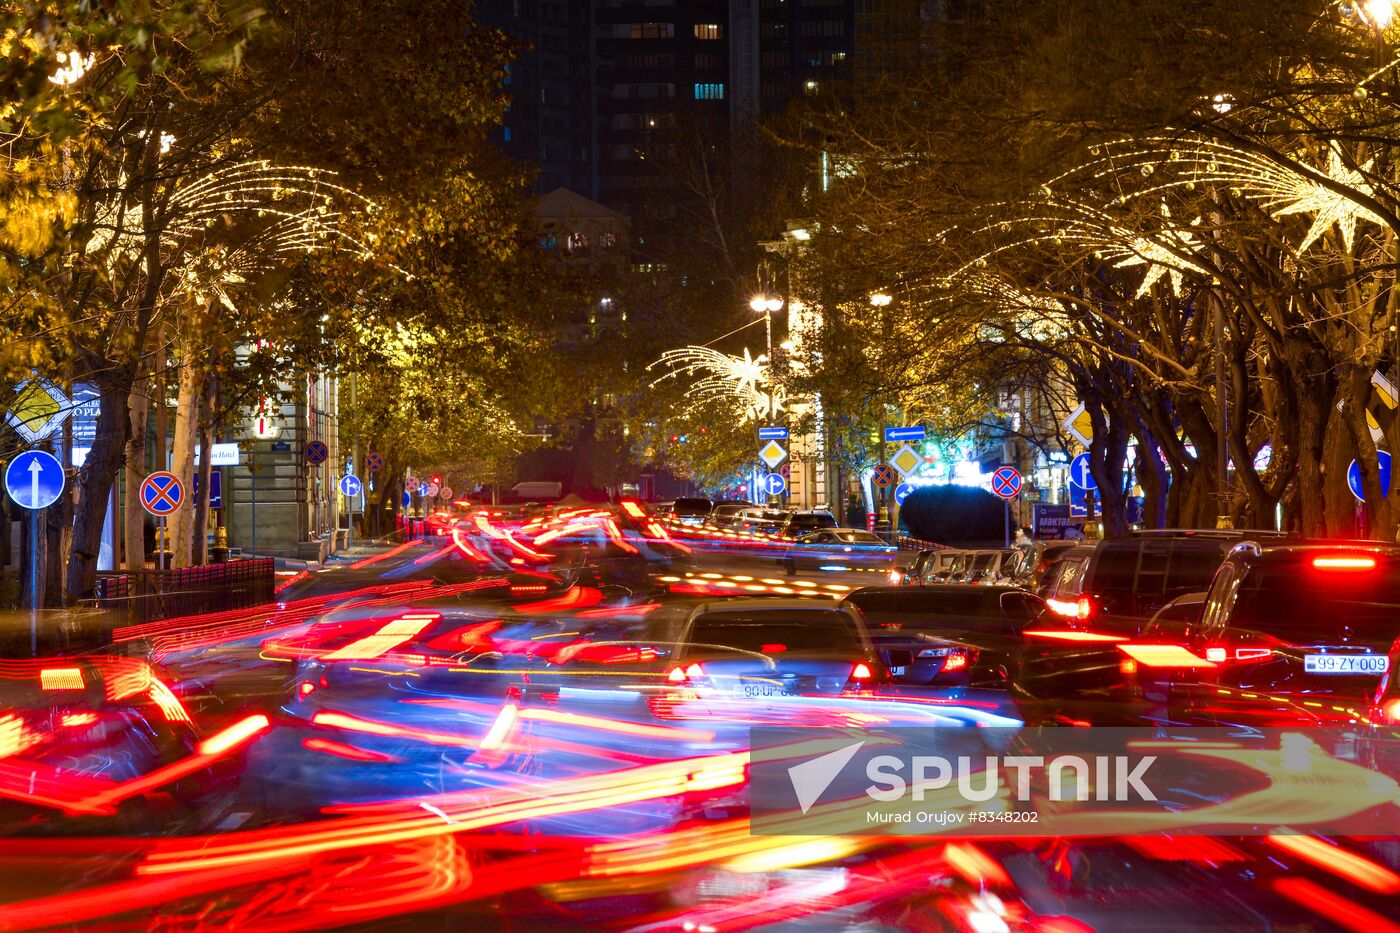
[[901, 492], [350, 485], [407, 498], [1080, 475], [1354, 476], [914, 432], [774, 484], [162, 493], [34, 479], [772, 434]]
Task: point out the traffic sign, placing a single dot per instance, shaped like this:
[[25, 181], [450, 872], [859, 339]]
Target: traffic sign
[[38, 409], [445, 492], [34, 479], [901, 492], [884, 476], [772, 434], [1079, 425], [374, 463], [423, 487], [916, 432], [1080, 475], [162, 493], [774, 484], [786, 471], [317, 452], [906, 460], [430, 489], [1006, 482], [350, 486], [407, 499], [1354, 476], [772, 453]]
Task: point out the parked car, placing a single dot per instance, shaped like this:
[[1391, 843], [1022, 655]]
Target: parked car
[[839, 549], [1122, 582], [986, 566]]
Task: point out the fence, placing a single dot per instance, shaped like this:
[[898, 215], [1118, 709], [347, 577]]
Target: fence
[[149, 595]]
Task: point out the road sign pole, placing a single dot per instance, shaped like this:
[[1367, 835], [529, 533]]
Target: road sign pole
[[37, 517], [1006, 524]]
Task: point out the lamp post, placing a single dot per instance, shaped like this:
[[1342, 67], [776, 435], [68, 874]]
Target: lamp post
[[767, 305], [880, 301]]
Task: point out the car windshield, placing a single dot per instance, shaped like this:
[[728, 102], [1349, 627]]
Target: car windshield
[[1296, 602], [818, 631], [984, 561]]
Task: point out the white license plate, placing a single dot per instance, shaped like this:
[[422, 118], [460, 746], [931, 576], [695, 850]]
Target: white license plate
[[1345, 663], [759, 691]]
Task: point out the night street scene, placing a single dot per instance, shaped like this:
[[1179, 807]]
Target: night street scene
[[700, 466]]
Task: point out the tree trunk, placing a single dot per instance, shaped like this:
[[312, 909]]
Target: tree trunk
[[208, 407], [182, 459], [134, 530], [98, 475]]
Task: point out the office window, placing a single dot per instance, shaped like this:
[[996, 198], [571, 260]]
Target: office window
[[775, 59], [823, 27], [709, 91], [773, 30], [709, 31], [709, 60], [652, 31]]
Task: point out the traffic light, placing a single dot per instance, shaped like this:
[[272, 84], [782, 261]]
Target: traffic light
[[437, 480], [675, 438]]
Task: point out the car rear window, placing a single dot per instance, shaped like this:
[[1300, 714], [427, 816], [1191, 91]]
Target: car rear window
[[812, 521], [976, 610], [815, 631], [691, 507], [859, 537], [1295, 602], [1136, 575]]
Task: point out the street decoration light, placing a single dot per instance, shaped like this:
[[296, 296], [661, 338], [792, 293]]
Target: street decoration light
[[745, 380]]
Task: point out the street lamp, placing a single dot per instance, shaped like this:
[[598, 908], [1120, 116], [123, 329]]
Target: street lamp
[[767, 305], [1378, 13]]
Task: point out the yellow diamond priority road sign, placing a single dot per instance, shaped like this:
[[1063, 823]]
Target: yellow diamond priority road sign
[[906, 461], [1080, 426], [772, 453], [38, 409]]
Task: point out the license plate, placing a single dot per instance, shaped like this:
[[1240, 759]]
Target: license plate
[[1345, 663], [755, 691], [896, 672]]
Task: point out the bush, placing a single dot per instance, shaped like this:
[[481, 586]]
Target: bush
[[958, 515]]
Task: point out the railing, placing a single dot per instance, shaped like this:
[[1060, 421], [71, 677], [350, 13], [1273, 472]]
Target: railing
[[147, 595]]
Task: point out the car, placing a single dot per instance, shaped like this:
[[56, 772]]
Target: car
[[926, 566], [985, 566], [950, 635], [690, 510], [800, 521], [839, 549], [1290, 631], [757, 649], [1034, 560], [726, 514], [761, 521], [1121, 582]]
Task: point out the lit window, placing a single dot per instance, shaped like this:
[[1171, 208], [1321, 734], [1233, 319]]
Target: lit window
[[709, 31], [709, 91], [578, 241], [507, 134]]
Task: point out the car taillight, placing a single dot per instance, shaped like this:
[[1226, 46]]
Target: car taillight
[[1083, 608], [862, 672], [1344, 562], [305, 689], [896, 578], [954, 662], [1390, 712], [1219, 655], [677, 675]]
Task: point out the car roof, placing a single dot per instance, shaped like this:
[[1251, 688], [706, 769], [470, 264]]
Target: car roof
[[937, 588], [762, 604], [1313, 545]]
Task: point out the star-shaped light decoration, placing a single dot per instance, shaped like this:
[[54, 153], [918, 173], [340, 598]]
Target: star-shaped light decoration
[[742, 379], [1328, 208], [1161, 256]]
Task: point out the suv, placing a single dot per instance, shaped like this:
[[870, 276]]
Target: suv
[[1118, 584], [726, 514], [1289, 632], [690, 510], [801, 521]]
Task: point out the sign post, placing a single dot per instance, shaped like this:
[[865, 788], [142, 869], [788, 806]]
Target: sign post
[[350, 487], [1006, 483], [162, 494], [34, 480]]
